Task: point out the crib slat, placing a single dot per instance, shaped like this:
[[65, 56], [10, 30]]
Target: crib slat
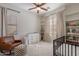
[[54, 50], [71, 50], [65, 49], [68, 49], [62, 49], [75, 50]]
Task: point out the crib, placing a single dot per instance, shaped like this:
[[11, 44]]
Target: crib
[[38, 47], [62, 47]]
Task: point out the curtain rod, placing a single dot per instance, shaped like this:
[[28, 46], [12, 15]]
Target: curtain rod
[[13, 10], [10, 9]]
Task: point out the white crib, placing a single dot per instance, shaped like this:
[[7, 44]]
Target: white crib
[[36, 47]]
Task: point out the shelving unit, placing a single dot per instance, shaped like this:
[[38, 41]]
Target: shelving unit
[[72, 31]]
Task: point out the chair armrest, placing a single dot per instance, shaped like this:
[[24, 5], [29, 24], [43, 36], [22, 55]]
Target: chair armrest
[[17, 41], [6, 46]]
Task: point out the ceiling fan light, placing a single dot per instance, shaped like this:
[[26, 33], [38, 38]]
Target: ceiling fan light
[[38, 8]]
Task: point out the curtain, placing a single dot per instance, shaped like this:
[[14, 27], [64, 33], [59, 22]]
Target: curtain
[[46, 29], [50, 28], [60, 24], [11, 22], [4, 21], [8, 22], [53, 26], [0, 22]]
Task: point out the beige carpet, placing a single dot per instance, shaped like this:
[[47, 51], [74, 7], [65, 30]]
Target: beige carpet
[[40, 49]]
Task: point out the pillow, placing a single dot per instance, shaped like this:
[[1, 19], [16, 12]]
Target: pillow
[[19, 37]]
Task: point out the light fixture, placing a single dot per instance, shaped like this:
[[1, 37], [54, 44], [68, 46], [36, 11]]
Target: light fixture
[[39, 7]]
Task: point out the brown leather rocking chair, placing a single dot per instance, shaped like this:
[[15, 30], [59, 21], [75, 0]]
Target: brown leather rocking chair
[[8, 43]]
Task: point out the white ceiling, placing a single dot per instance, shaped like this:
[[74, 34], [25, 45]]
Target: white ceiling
[[26, 6]]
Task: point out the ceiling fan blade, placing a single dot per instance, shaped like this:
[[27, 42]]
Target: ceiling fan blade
[[42, 4], [32, 8], [44, 9], [39, 4], [35, 4]]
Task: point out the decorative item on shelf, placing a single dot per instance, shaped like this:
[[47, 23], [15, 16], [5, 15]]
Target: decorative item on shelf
[[72, 23], [73, 30], [77, 38], [74, 38], [68, 30], [67, 24], [77, 23], [77, 30]]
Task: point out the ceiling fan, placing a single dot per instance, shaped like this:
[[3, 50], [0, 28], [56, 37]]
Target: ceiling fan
[[39, 5]]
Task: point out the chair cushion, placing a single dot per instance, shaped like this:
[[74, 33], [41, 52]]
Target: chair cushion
[[20, 50]]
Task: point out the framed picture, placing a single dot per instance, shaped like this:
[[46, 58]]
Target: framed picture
[[11, 30]]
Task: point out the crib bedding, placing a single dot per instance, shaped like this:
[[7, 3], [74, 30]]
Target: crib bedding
[[59, 50], [40, 49]]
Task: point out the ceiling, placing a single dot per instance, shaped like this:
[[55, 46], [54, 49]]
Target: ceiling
[[26, 6]]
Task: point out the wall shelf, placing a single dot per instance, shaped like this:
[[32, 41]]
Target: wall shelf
[[72, 28], [73, 34]]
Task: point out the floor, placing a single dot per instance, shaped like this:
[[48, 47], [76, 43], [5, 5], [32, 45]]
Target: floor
[[40, 49]]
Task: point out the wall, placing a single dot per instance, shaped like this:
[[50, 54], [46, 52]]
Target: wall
[[27, 21], [72, 8], [72, 11]]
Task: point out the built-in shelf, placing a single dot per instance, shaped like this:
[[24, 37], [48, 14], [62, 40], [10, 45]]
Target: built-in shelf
[[72, 26], [72, 29], [74, 34]]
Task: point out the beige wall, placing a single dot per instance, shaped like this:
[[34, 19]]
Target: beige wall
[[27, 21], [72, 11], [72, 8]]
